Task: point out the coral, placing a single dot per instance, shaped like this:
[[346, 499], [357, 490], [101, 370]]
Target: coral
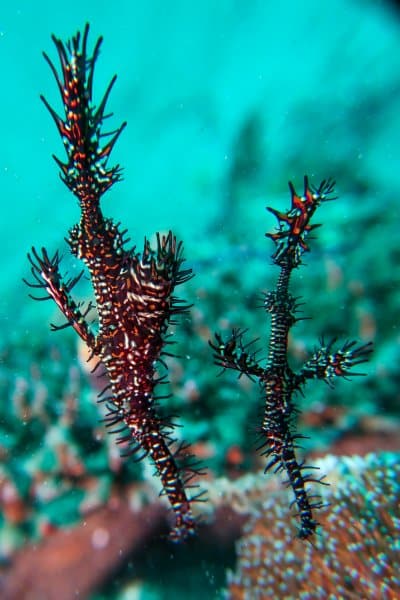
[[356, 555], [279, 382], [57, 462]]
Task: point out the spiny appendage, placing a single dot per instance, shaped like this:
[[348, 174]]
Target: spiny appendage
[[146, 434], [294, 225], [162, 266], [298, 477], [327, 364], [177, 468], [279, 441], [149, 285], [47, 277], [234, 354], [132, 413], [86, 172]]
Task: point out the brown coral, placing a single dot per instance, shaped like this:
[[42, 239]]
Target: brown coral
[[356, 556]]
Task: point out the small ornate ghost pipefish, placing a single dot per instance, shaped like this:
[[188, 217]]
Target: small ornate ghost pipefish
[[278, 380], [133, 291]]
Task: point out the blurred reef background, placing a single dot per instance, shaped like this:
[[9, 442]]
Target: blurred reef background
[[225, 101]]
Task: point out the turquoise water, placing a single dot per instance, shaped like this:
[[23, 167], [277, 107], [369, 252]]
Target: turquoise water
[[225, 102], [189, 81]]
